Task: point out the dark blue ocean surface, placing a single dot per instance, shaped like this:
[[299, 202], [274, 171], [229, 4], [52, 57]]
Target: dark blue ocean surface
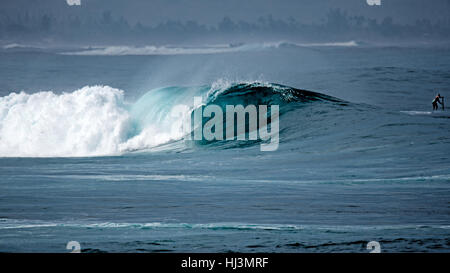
[[87, 153]]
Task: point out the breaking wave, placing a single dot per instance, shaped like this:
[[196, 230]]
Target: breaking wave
[[190, 50], [97, 121]]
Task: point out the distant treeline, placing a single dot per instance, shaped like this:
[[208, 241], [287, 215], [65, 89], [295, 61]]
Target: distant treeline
[[104, 28]]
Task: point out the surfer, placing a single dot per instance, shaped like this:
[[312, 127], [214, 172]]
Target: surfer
[[435, 102]]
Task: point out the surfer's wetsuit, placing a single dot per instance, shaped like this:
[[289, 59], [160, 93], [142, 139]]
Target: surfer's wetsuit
[[435, 102]]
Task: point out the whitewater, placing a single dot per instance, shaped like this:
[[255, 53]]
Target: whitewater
[[91, 121]]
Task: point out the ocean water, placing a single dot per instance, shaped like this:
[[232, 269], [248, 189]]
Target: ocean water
[[88, 154]]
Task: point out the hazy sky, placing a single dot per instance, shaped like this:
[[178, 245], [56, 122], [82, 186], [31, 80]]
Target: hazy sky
[[151, 12]]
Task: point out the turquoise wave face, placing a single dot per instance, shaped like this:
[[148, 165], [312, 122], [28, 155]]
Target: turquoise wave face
[[154, 109]]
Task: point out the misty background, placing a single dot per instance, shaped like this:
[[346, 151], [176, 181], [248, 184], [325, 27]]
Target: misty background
[[156, 22]]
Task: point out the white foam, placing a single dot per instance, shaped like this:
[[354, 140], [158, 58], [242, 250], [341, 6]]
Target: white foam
[[334, 44], [151, 50], [29, 224], [413, 113], [18, 46], [191, 50], [14, 45], [92, 121]]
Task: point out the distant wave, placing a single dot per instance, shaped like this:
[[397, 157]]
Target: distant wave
[[151, 50], [209, 49], [96, 120], [40, 48], [333, 44], [170, 49], [28, 224], [14, 45]]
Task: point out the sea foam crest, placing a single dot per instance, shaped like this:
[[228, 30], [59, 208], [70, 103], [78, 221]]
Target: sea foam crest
[[89, 121], [92, 121]]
